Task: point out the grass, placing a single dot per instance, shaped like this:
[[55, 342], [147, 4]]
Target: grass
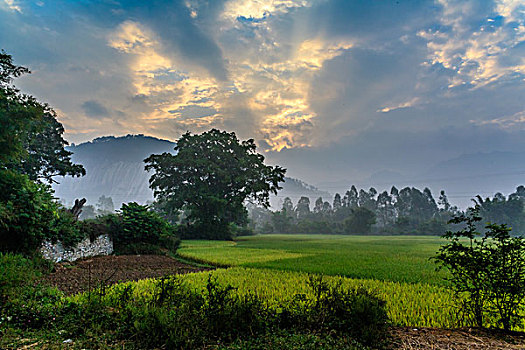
[[403, 259], [398, 268]]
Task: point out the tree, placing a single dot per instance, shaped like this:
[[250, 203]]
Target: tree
[[105, 205], [318, 206], [288, 206], [486, 270], [302, 209], [31, 148], [360, 221], [212, 175], [337, 202], [31, 140]]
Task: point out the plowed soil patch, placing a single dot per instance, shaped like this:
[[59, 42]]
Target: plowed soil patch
[[86, 274]]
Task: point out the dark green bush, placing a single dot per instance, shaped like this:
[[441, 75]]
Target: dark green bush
[[283, 340], [139, 230], [99, 226], [27, 211], [30, 215], [357, 313], [176, 316], [487, 270]]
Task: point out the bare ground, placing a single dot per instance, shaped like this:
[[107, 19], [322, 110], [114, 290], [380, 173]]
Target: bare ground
[[86, 274], [406, 338]]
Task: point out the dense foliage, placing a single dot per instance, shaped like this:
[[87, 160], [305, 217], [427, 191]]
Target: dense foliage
[[29, 215], [210, 177], [31, 148], [488, 268], [141, 230]]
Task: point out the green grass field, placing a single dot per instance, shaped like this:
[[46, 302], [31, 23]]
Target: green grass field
[[398, 268], [384, 258]]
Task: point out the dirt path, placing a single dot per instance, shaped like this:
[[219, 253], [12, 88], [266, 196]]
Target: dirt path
[[84, 274], [455, 339]]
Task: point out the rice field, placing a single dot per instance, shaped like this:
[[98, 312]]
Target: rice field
[[276, 268], [403, 259]]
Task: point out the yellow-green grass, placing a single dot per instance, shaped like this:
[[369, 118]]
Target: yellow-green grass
[[385, 258], [408, 304]]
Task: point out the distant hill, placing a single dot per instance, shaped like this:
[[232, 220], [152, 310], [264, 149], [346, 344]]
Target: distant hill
[[462, 177], [477, 173], [115, 168]]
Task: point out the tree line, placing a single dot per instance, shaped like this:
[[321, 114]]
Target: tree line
[[405, 211]]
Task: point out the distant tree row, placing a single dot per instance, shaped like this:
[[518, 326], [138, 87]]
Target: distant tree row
[[405, 211]]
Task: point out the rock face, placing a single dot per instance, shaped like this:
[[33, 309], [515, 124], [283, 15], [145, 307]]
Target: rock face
[[102, 245], [114, 168]]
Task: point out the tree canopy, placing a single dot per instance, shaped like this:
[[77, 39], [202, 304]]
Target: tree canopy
[[31, 148], [31, 141], [211, 176]]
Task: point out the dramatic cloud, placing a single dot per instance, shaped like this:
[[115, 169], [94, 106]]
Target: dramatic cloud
[[370, 86]]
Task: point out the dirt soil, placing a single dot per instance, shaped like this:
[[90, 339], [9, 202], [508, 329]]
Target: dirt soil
[[81, 275], [405, 338]]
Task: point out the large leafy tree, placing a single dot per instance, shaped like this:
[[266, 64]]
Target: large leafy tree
[[31, 141], [31, 148], [211, 176]]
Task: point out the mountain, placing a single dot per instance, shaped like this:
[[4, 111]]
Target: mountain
[[115, 168]]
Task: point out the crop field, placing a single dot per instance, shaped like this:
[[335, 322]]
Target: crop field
[[385, 258], [276, 267]]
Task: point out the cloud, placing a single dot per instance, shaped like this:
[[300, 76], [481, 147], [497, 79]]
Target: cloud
[[338, 87], [94, 109], [236, 10], [480, 45], [13, 5], [513, 122], [406, 104]]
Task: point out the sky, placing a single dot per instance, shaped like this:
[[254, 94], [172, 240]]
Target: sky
[[335, 91]]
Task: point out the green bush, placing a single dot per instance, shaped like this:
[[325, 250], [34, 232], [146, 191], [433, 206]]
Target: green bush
[[24, 303], [101, 225], [140, 230], [27, 212], [356, 313], [172, 315], [487, 270], [30, 215], [283, 340]]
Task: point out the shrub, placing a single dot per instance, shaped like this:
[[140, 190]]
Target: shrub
[[487, 271], [140, 230], [356, 313], [30, 215], [23, 302], [27, 211]]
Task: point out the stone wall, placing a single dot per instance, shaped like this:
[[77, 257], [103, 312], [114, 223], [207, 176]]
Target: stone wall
[[102, 245]]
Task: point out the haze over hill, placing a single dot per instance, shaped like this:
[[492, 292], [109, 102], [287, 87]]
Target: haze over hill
[[115, 168], [463, 177]]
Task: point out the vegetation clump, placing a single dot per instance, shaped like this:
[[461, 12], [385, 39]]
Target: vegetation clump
[[487, 270]]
